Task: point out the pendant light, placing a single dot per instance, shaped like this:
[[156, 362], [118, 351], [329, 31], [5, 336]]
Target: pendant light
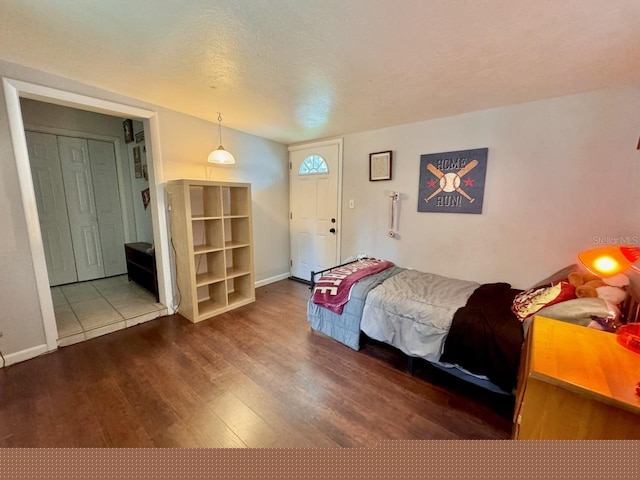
[[220, 155]]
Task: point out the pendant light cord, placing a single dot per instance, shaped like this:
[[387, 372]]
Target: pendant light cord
[[220, 155]]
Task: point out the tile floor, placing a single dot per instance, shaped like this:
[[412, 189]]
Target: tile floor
[[89, 309]]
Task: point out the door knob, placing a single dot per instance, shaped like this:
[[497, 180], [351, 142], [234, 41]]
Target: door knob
[[333, 230]]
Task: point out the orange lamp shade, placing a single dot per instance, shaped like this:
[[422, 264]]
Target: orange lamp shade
[[609, 261]]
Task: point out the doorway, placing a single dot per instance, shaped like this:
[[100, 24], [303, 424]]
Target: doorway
[[84, 183], [315, 177], [77, 194], [16, 89]]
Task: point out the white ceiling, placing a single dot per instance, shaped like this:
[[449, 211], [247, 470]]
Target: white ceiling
[[295, 70]]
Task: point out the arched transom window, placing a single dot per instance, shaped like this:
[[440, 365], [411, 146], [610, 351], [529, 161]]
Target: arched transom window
[[313, 164]]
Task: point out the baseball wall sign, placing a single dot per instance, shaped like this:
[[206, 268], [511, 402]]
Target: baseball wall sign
[[452, 182]]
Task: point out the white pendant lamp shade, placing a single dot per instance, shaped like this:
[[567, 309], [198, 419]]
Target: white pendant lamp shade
[[220, 155]]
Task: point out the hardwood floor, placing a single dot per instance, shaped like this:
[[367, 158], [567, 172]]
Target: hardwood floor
[[254, 377]]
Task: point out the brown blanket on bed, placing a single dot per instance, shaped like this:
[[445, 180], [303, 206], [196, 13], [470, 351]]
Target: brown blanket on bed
[[486, 337]]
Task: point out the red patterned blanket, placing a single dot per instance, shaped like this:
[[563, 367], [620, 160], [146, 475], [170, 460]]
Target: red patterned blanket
[[333, 289]]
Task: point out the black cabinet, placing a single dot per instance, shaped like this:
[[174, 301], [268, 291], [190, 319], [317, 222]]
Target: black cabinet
[[141, 266]]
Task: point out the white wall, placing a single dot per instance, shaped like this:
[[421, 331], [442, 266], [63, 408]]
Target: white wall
[[185, 143], [144, 225], [559, 173]]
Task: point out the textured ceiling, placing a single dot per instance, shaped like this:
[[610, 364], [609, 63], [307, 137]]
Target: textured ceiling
[[294, 70]]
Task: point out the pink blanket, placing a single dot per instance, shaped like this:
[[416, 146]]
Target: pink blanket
[[333, 289]]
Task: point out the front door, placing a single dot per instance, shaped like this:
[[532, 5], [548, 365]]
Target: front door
[[314, 176]]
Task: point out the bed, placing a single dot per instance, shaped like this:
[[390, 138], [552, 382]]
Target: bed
[[462, 327]]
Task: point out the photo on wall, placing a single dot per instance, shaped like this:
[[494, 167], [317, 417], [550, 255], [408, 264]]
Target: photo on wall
[[146, 197], [137, 162], [127, 125], [452, 182]]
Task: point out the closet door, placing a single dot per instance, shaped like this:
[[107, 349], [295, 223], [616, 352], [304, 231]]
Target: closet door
[[52, 208], [107, 196], [81, 205]]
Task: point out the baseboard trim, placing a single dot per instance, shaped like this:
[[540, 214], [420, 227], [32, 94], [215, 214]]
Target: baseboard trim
[[23, 355], [267, 281]]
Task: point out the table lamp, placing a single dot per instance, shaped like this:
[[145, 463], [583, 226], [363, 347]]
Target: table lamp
[[610, 260], [606, 262]]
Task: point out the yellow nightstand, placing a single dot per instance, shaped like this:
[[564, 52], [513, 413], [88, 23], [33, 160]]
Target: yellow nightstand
[[576, 383]]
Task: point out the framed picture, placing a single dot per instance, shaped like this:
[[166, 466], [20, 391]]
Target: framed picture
[[452, 182], [140, 137], [380, 166], [128, 130], [137, 162], [146, 197], [145, 173]]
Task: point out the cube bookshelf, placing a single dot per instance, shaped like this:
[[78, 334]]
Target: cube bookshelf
[[211, 232]]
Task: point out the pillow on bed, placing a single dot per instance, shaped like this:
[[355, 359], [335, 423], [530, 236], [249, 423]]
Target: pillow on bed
[[581, 311], [589, 312], [531, 301]]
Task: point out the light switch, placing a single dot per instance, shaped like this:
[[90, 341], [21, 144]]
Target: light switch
[[352, 203]]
